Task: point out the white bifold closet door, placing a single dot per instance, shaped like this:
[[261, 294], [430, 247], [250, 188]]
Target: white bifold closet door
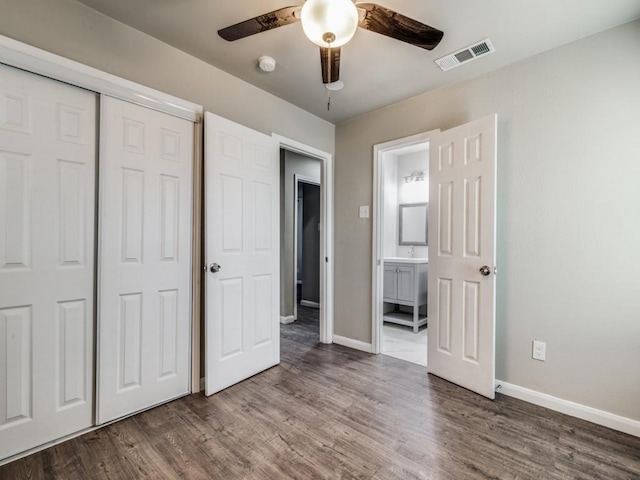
[[144, 313], [47, 237]]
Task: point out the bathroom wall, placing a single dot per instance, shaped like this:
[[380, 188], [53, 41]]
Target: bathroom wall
[[390, 207], [414, 192]]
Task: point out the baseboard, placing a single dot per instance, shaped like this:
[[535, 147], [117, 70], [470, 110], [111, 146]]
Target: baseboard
[[309, 303], [287, 319], [351, 343], [44, 446], [590, 414]]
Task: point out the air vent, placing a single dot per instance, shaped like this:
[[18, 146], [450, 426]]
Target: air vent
[[465, 55]]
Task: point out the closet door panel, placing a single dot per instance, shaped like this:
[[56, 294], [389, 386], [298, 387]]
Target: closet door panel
[[145, 258], [47, 225]]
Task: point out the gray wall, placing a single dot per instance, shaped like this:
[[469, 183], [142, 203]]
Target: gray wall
[[568, 214], [311, 243], [77, 32], [290, 164]]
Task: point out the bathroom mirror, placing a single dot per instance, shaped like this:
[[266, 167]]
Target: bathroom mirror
[[413, 224]]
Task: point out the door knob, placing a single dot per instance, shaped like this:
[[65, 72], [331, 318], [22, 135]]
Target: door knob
[[485, 270], [214, 268]]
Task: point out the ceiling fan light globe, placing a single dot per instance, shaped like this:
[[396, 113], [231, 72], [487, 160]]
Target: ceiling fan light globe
[[339, 18]]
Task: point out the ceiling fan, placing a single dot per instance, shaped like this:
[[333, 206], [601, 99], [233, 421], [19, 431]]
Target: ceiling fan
[[331, 23]]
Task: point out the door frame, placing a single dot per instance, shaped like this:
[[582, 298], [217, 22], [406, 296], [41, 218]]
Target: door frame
[[381, 152], [297, 180], [326, 237]]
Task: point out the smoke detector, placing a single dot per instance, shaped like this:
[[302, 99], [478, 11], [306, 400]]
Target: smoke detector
[[267, 64], [466, 54]]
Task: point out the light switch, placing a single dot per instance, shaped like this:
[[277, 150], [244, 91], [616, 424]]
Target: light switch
[[364, 211]]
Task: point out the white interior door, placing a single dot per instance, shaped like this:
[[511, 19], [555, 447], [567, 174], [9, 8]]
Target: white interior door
[[242, 225], [144, 315], [47, 225], [462, 224]]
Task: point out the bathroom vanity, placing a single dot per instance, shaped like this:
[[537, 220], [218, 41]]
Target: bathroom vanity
[[405, 283]]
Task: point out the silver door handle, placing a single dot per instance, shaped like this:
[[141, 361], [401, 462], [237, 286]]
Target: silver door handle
[[485, 270], [214, 268]]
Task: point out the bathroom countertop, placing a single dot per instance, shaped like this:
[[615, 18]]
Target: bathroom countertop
[[406, 260]]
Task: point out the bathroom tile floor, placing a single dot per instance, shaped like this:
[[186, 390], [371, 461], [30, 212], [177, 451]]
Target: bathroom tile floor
[[400, 342]]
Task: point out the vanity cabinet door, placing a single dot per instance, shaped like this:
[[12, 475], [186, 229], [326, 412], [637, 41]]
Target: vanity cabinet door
[[406, 283], [390, 288]]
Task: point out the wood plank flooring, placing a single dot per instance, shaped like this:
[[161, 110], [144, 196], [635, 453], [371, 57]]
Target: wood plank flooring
[[330, 412]]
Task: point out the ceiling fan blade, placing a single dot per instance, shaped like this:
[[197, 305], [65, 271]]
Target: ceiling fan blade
[[261, 23], [392, 24], [330, 61]]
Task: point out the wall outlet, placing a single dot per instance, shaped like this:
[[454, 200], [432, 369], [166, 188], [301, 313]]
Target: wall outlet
[[364, 211], [539, 350]]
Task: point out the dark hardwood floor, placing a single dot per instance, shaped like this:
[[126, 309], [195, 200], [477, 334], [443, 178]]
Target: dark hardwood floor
[[330, 412]]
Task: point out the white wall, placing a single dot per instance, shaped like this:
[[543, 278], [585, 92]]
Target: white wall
[[568, 214], [414, 192], [390, 206]]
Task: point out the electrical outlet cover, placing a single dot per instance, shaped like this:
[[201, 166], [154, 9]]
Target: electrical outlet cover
[[539, 350]]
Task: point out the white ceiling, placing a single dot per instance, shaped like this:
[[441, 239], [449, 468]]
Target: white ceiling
[[375, 69]]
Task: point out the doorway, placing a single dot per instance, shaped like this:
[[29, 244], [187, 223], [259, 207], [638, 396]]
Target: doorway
[[301, 240], [461, 224], [400, 280]]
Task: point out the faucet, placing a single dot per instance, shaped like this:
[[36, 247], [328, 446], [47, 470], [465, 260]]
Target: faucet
[[412, 252]]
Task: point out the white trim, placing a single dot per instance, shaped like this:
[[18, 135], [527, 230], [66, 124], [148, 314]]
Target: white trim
[[287, 320], [351, 343], [326, 239], [380, 152], [297, 179], [590, 414], [32, 59], [309, 303]]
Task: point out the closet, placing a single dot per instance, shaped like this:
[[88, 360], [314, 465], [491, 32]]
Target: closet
[[96, 212]]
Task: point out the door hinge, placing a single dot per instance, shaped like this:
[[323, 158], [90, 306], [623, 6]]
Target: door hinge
[[326, 259]]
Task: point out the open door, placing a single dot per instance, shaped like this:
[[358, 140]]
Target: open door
[[242, 251], [462, 231]]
